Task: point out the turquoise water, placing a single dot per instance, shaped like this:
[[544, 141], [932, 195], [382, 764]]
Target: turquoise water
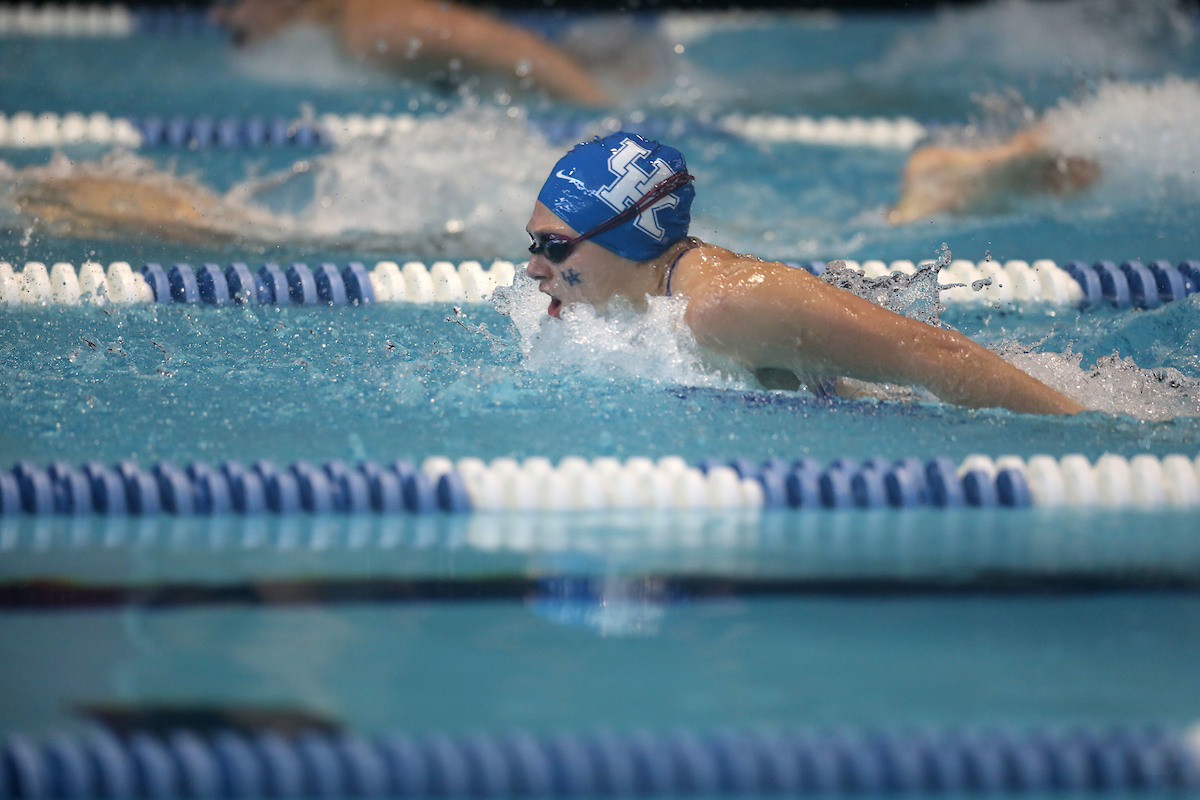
[[499, 665], [969, 618], [287, 384]]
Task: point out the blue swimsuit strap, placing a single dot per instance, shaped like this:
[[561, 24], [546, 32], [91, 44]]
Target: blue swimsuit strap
[[692, 245]]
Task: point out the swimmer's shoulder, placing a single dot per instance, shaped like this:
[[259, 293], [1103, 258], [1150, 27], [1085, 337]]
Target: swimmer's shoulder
[[703, 264]]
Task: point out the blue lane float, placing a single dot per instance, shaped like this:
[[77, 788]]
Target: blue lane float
[[441, 486], [232, 763], [158, 21]]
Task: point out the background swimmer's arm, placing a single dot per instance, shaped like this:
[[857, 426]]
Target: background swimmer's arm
[[939, 178], [773, 316], [154, 204], [396, 32]]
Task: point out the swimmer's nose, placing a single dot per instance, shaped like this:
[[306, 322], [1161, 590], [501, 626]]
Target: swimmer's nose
[[537, 270]]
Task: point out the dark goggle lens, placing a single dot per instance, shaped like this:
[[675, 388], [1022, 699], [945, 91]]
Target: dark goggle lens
[[555, 248]]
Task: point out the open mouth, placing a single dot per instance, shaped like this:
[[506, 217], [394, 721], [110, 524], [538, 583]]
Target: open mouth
[[555, 307]]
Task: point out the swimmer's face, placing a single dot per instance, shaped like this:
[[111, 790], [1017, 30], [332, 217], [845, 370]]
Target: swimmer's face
[[251, 20], [590, 274]]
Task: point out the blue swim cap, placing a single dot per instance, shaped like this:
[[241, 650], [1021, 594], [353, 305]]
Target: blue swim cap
[[601, 178]]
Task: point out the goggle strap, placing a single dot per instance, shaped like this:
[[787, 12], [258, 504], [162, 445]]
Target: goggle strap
[[651, 197]]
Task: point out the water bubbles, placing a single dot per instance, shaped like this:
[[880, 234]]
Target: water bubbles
[[915, 296], [471, 174], [654, 347], [1141, 135], [1114, 385]]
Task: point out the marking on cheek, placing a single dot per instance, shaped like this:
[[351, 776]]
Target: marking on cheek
[[572, 277]]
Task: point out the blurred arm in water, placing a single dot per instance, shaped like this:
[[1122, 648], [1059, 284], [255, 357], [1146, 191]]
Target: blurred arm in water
[[148, 203], [957, 179], [404, 33]]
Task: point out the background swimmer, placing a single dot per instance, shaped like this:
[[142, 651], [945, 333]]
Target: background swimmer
[[423, 37], [132, 199], [392, 193], [765, 315], [940, 178]]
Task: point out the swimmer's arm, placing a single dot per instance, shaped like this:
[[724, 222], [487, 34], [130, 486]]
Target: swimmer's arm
[[941, 178], [387, 30], [774, 316]]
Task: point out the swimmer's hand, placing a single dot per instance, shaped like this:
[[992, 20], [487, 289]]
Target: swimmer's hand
[[771, 316]]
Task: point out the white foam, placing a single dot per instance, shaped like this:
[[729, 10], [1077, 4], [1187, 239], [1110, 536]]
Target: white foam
[[1142, 135], [463, 182], [654, 347], [1114, 385], [1025, 37]]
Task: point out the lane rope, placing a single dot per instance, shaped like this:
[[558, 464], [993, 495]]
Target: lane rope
[[100, 21], [234, 763], [1014, 284], [238, 284], [1133, 284], [26, 129], [602, 484]]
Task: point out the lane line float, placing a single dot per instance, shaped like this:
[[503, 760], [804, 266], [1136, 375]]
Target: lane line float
[[1014, 284], [234, 763], [602, 484]]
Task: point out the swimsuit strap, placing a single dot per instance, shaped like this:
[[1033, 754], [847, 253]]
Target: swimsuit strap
[[693, 243]]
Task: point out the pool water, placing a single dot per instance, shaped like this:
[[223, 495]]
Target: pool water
[[972, 618]]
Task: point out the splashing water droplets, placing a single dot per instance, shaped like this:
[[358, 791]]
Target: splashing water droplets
[[1114, 385], [654, 346], [915, 296]]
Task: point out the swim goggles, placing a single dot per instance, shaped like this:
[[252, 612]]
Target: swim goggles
[[557, 247]]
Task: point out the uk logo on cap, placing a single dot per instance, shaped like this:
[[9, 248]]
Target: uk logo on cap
[[633, 182]]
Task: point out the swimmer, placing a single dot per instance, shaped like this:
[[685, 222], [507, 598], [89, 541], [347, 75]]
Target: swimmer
[[132, 200], [957, 179], [611, 224], [410, 35]]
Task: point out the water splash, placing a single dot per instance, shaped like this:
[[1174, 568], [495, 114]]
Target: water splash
[[1030, 38], [1142, 135], [655, 347], [1113, 385], [460, 183], [915, 296]]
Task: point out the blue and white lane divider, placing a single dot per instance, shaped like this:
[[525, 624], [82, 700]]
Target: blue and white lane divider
[[26, 129], [1131, 285], [603, 484], [744, 762], [237, 283]]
